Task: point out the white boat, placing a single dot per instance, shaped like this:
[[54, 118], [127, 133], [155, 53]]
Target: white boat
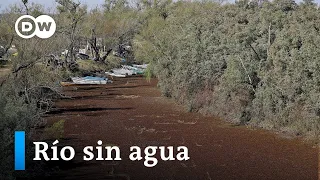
[[144, 66], [89, 80], [127, 71], [135, 70], [123, 71], [116, 75]]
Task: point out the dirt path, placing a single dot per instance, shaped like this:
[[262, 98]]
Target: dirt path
[[132, 112]]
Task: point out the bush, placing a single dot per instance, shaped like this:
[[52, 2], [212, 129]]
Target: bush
[[24, 97], [253, 63], [56, 131]]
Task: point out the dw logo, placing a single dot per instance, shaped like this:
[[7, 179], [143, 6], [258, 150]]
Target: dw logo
[[43, 26]]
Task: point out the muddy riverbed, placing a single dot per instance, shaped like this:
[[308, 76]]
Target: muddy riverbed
[[132, 112]]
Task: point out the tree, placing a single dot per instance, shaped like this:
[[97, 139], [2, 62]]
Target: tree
[[27, 90], [75, 14]]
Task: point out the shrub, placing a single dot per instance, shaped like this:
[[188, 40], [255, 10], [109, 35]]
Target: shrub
[[254, 63]]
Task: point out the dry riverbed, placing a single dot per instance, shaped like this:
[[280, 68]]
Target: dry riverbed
[[132, 112]]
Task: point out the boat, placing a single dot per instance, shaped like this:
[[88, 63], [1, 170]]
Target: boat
[[89, 80], [115, 75], [143, 66]]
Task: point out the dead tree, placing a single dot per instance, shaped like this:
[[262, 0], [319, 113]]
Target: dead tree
[[93, 44]]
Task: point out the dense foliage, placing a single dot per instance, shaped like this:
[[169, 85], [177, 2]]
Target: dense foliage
[[252, 62], [26, 91]]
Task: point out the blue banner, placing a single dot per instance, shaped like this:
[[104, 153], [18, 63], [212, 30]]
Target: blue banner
[[19, 151]]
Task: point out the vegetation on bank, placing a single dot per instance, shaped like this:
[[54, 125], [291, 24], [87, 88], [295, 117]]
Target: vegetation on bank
[[253, 63]]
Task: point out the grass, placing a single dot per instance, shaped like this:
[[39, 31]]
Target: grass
[[4, 70], [91, 66], [56, 131]]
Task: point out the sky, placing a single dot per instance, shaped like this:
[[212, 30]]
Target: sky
[[51, 3]]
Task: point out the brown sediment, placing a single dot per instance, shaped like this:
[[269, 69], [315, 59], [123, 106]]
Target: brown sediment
[[132, 112]]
